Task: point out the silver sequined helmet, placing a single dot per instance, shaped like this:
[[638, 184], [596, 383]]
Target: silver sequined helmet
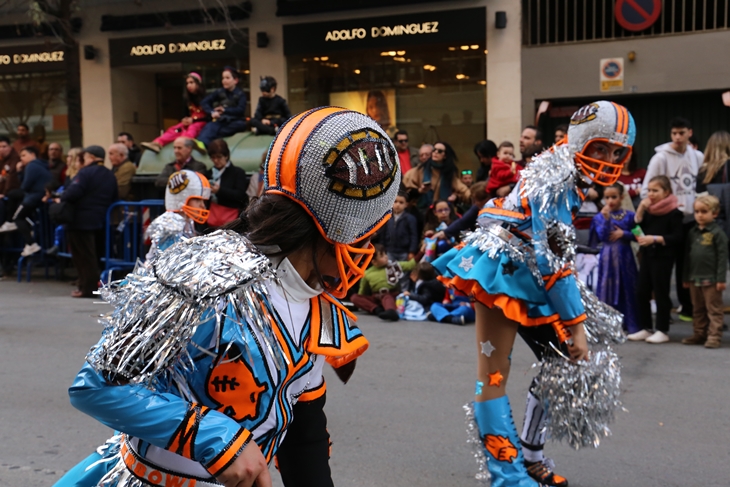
[[601, 121], [343, 169]]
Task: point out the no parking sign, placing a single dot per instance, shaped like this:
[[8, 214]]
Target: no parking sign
[[637, 15], [612, 74]]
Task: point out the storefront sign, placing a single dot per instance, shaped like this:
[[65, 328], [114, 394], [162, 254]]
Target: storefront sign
[[468, 25], [175, 48], [36, 58], [612, 74]]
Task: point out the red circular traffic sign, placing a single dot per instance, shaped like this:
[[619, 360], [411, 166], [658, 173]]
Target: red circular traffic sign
[[637, 15]]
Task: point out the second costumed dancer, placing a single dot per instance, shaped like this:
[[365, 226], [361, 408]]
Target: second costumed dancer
[[518, 266]]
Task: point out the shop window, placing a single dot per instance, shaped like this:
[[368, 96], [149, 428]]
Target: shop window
[[37, 99], [435, 92]]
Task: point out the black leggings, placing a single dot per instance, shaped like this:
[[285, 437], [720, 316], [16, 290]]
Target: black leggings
[[655, 274], [303, 457]]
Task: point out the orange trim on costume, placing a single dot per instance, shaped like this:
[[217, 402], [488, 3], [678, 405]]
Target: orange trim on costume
[[337, 356], [340, 306], [514, 309], [224, 460], [553, 278], [500, 212], [579, 319], [182, 441], [526, 206], [315, 393]]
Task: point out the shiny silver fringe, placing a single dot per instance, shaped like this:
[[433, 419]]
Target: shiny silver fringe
[[169, 225], [493, 246], [158, 307], [473, 439], [603, 324], [580, 398]]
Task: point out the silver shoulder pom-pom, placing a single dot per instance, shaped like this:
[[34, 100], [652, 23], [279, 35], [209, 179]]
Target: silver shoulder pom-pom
[[580, 398], [549, 177], [169, 224], [158, 307]]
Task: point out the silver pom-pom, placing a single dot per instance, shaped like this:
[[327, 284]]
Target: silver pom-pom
[[158, 307], [473, 439], [494, 240], [603, 325], [168, 228], [580, 398]]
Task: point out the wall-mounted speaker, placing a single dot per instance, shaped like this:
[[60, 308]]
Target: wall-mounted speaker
[[262, 39], [500, 20]]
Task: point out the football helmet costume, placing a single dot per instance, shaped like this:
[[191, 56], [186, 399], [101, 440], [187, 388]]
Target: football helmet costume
[[601, 121], [183, 186], [342, 168]]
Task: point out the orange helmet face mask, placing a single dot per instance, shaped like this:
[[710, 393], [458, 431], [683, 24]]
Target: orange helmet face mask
[[599, 171], [198, 215], [342, 168], [601, 122]]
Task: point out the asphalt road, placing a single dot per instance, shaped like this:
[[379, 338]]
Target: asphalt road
[[399, 422]]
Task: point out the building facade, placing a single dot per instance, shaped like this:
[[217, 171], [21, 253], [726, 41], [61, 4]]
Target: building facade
[[442, 70]]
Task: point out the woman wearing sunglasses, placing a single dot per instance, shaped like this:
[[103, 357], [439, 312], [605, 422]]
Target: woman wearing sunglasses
[[438, 178]]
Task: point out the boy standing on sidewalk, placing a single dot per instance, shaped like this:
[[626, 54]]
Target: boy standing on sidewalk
[[704, 271]]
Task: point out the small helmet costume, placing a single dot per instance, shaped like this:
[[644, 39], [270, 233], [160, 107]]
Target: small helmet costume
[[183, 186], [602, 121], [343, 169]]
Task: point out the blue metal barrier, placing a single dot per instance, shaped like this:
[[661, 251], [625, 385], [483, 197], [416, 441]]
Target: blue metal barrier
[[124, 232]]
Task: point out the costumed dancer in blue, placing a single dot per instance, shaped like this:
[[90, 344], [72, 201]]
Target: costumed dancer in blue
[[185, 196], [518, 266], [617, 271], [215, 345]]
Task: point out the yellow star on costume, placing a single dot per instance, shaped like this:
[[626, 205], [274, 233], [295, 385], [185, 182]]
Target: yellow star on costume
[[496, 379]]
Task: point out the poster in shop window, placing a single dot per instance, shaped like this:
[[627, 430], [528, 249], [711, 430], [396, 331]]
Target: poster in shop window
[[377, 104]]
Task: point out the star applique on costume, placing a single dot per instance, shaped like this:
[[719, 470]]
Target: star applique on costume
[[467, 263], [496, 379], [509, 268], [487, 348]]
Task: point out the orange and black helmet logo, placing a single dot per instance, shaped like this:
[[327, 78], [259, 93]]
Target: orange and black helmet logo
[[178, 182], [362, 165], [585, 114]]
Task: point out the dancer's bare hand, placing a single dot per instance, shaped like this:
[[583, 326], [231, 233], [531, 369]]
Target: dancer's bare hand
[[248, 470], [579, 349]]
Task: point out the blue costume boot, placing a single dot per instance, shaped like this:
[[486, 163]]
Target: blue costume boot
[[499, 436]]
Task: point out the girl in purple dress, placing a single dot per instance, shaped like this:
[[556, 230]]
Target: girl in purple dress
[[617, 273]]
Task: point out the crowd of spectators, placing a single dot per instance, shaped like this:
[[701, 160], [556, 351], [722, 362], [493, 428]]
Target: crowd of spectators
[[644, 226]]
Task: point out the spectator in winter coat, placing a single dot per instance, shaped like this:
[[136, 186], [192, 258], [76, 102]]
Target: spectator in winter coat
[[271, 111], [23, 139], [424, 153], [226, 108], [56, 163], [135, 153], [228, 183], [400, 234], [505, 171], [680, 162], [437, 179], [122, 168], [33, 179], [407, 156], [485, 151], [427, 289], [183, 150], [91, 193], [9, 160]]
